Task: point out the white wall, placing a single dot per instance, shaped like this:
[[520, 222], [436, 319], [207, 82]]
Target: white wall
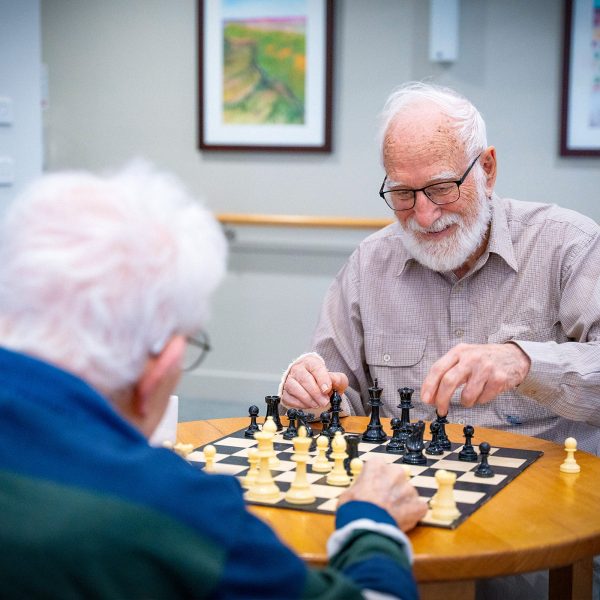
[[20, 56], [122, 80]]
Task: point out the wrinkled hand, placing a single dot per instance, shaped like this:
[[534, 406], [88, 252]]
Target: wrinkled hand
[[485, 370], [386, 486], [309, 384]]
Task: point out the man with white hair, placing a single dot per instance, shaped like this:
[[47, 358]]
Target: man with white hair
[[489, 308], [102, 279]]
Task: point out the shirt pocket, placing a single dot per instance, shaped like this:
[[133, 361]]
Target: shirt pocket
[[525, 332], [394, 349]]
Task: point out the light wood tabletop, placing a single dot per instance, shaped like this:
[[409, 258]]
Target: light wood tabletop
[[544, 519]]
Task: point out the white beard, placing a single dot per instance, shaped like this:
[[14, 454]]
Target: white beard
[[452, 251]]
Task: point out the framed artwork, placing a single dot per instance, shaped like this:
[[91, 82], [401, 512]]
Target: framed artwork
[[265, 74], [580, 115]]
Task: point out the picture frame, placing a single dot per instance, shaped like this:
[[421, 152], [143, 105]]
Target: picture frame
[[580, 111], [265, 75]]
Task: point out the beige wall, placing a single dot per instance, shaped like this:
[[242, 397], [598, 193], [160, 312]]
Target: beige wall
[[122, 82]]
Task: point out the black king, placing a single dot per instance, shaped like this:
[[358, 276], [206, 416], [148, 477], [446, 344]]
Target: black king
[[374, 432]]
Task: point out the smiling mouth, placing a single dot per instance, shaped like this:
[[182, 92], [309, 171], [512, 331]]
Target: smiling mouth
[[437, 234]]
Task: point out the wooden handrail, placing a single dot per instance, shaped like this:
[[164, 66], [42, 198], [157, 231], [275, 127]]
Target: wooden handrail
[[301, 221]]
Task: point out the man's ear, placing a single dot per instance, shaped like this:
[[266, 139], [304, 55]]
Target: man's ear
[[160, 376], [488, 163]]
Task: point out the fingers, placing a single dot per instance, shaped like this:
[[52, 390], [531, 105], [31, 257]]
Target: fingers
[[441, 382]]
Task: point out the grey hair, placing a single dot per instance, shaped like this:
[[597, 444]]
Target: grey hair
[[96, 273], [469, 123]]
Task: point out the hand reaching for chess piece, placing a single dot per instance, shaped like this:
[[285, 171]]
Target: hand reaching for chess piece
[[387, 486]]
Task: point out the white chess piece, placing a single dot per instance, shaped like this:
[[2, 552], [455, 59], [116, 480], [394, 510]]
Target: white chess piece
[[570, 464], [444, 508], [252, 473], [321, 464], [300, 491], [264, 489], [271, 428], [338, 475], [356, 466], [209, 458]]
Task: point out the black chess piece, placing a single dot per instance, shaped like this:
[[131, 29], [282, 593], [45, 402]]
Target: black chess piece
[[483, 468], [352, 441], [302, 418], [468, 453], [291, 432], [443, 440], [325, 419], [374, 432], [253, 412], [273, 410], [405, 406], [396, 445], [414, 445], [434, 447], [336, 404]]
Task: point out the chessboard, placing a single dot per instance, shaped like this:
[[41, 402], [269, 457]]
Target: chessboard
[[470, 492]]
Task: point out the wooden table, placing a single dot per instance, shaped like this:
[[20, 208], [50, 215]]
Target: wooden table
[[544, 519]]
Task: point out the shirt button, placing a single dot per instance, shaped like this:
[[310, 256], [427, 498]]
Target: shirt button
[[459, 332], [461, 421], [386, 358]]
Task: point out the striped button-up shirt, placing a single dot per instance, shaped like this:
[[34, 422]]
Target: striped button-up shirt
[[537, 284]]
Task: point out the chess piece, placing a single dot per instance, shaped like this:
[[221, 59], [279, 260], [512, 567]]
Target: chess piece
[[336, 407], [443, 441], [405, 406], [253, 427], [325, 419], [264, 488], [321, 464], [351, 450], [415, 445], [356, 466], [396, 445], [443, 505], [209, 458], [273, 410], [374, 432], [291, 432], [183, 450], [338, 475], [252, 473], [570, 464], [300, 491], [269, 426], [483, 468], [434, 447], [302, 418], [468, 453]]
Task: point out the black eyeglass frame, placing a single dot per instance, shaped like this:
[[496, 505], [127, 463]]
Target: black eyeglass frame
[[202, 341], [458, 183]]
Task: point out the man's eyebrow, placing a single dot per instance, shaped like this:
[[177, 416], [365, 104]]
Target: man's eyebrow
[[443, 176]]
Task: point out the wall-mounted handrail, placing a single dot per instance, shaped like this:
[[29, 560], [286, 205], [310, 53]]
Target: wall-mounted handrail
[[301, 221]]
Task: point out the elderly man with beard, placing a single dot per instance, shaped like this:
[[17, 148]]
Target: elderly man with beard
[[489, 308]]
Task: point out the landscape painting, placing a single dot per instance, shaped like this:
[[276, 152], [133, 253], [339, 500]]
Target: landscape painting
[[265, 79]]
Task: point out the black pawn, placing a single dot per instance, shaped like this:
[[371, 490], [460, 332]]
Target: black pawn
[[374, 432], [336, 407], [434, 447], [468, 453], [273, 410], [483, 468], [414, 445], [253, 412], [325, 419], [352, 450], [443, 441], [291, 432], [396, 444]]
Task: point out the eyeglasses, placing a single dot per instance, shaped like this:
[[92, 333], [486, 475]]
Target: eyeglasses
[[445, 192], [196, 350]]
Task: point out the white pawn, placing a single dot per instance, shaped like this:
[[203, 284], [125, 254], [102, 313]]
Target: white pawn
[[338, 475], [271, 428], [264, 488], [209, 458], [253, 471], [356, 466], [321, 464], [443, 508], [570, 464]]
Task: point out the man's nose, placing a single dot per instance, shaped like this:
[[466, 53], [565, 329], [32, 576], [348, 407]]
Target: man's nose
[[425, 211]]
